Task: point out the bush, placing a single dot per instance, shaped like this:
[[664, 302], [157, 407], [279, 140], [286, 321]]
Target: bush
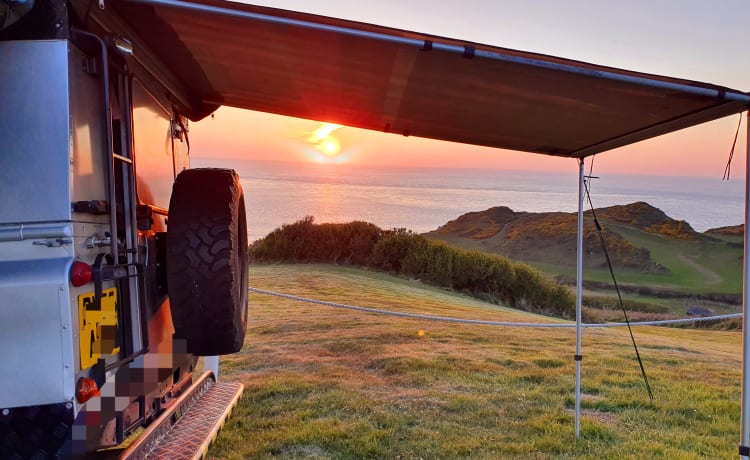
[[391, 250], [304, 241], [486, 276], [612, 303], [288, 243], [541, 294]]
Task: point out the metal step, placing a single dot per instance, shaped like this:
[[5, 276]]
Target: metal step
[[189, 426]]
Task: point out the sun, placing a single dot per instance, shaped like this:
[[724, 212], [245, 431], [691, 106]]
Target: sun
[[330, 146], [324, 141]]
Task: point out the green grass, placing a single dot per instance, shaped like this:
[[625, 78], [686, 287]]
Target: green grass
[[703, 268], [695, 267], [678, 306], [322, 382]]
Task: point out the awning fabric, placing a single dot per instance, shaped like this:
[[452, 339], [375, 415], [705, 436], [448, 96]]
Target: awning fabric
[[366, 76]]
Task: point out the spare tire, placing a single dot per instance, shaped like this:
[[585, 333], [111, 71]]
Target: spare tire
[[207, 261]]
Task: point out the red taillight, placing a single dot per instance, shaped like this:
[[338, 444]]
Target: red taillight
[[86, 390], [80, 273]]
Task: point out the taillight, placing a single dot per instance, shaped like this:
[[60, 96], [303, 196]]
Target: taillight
[[86, 389], [80, 273]]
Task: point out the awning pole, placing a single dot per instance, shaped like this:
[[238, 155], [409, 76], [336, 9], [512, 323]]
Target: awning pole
[[745, 428], [579, 294]]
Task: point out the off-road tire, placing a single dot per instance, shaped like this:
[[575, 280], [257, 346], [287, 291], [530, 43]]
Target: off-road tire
[[207, 261]]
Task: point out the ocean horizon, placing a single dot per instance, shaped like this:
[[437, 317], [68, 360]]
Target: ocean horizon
[[422, 199]]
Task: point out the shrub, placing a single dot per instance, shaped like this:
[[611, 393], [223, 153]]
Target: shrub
[[287, 243], [486, 276], [438, 262], [612, 303], [304, 241], [350, 243], [391, 250], [540, 294]]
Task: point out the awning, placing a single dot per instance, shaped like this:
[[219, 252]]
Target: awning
[[366, 76]]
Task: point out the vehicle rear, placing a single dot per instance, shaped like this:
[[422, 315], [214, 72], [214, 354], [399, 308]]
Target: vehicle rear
[[90, 152]]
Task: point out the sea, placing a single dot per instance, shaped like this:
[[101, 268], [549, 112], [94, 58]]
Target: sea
[[423, 199]]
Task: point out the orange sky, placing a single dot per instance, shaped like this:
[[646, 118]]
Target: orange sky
[[699, 151], [696, 42]]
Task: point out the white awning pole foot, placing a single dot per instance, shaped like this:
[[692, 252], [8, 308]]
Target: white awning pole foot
[[211, 363]]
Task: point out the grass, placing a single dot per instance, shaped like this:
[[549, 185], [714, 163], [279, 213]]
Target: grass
[[694, 266], [678, 307], [322, 382]]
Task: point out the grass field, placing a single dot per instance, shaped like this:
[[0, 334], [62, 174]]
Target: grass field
[[322, 382], [699, 267], [698, 272]]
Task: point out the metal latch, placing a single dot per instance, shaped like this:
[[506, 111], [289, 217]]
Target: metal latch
[[97, 242], [91, 207], [53, 243]]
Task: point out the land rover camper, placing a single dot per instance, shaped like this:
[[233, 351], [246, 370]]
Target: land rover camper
[[119, 265]]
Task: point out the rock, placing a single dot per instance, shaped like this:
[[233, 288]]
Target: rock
[[699, 311]]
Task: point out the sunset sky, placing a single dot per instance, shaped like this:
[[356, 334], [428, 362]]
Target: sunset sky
[[693, 39]]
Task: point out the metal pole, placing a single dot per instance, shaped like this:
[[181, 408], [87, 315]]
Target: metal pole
[[579, 294], [744, 450]]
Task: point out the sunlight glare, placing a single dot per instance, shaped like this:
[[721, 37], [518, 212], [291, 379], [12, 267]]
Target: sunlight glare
[[331, 146], [324, 141], [324, 131]]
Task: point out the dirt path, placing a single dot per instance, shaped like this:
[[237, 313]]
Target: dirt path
[[712, 278]]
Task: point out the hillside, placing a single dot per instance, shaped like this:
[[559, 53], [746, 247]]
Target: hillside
[[732, 230], [550, 237], [323, 382], [646, 245], [643, 216]]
